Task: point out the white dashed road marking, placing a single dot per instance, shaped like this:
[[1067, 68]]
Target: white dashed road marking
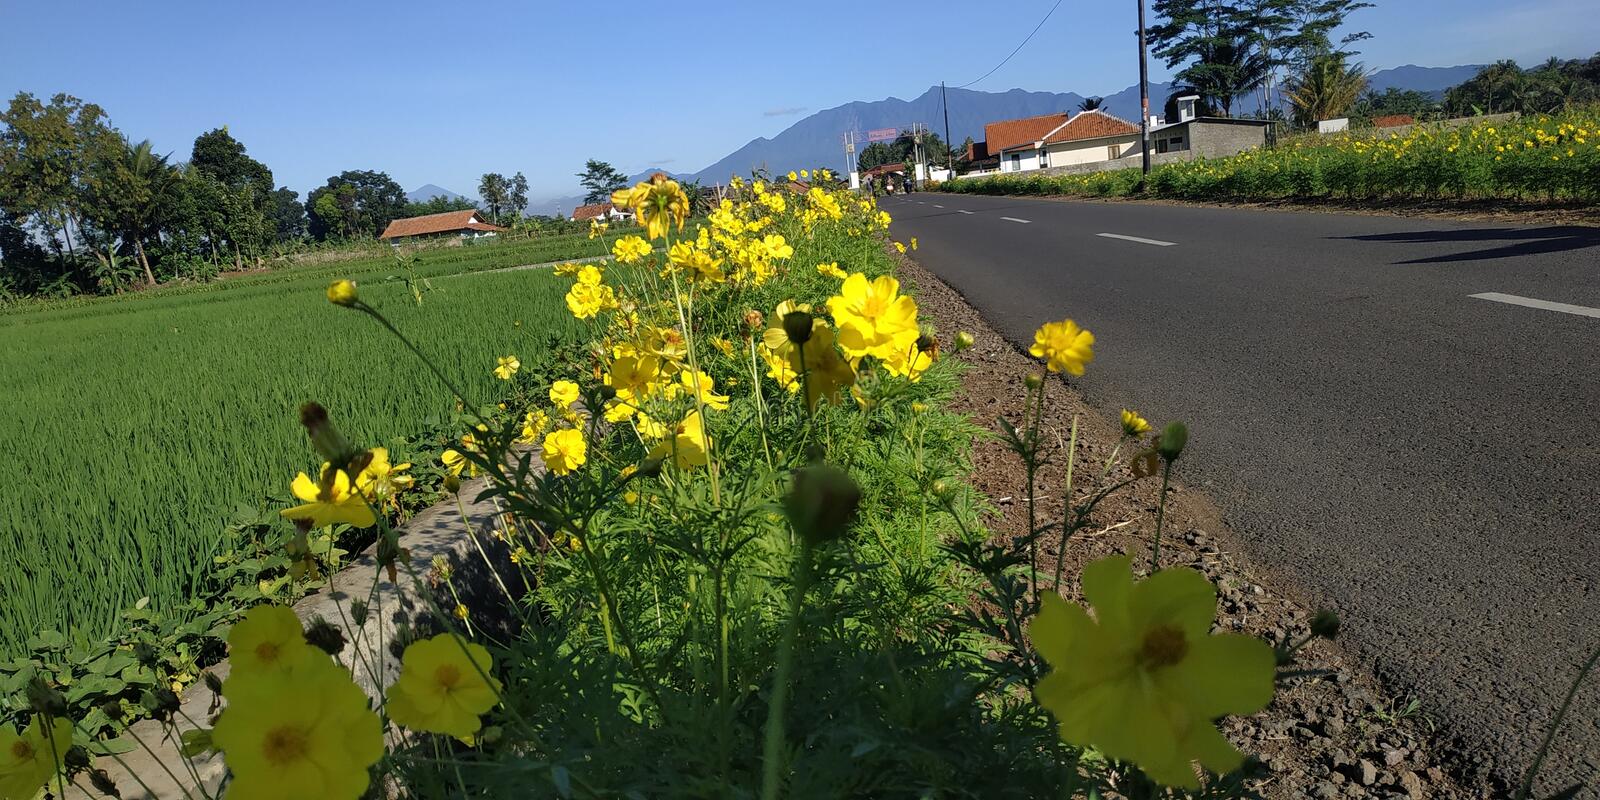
[[1014, 219], [1139, 239], [962, 211], [936, 205], [1565, 308]]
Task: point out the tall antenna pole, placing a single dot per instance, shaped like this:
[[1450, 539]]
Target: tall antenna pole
[[1144, 102], [944, 100]]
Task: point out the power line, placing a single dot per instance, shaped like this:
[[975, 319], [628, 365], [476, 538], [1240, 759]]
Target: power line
[[1019, 47]]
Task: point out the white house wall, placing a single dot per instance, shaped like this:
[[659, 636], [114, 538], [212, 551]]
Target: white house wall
[[1029, 160], [1089, 150]]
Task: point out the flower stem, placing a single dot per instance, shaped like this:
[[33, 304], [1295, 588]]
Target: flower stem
[[772, 749], [1526, 789], [1161, 510], [1066, 509]]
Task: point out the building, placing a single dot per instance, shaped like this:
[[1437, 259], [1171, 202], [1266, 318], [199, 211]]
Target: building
[[1207, 137], [605, 212], [448, 225], [1393, 121], [1059, 140]]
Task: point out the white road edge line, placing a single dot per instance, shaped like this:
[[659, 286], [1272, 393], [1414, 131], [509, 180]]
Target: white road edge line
[[962, 211], [1139, 239], [1014, 219], [1565, 308]]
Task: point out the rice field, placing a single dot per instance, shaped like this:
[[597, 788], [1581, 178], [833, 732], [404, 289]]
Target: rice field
[[137, 425]]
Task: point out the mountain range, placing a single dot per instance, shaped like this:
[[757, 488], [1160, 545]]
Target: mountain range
[[428, 191]]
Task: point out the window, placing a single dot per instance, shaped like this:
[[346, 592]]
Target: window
[[1114, 152], [1044, 159], [1016, 162], [1170, 144]]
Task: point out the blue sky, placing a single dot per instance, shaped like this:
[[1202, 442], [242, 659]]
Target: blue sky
[[442, 92]]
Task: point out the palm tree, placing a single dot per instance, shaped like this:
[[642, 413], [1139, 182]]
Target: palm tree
[[1327, 89], [1096, 103], [1227, 68], [152, 183]]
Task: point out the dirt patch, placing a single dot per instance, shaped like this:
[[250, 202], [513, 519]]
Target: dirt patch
[[1505, 212], [1339, 735]]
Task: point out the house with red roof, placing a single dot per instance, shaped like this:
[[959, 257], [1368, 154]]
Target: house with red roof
[[466, 224], [1058, 140], [604, 212]]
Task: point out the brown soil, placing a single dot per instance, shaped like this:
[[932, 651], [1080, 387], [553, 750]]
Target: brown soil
[[1338, 735]]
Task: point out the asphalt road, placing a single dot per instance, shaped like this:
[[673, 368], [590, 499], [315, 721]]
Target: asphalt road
[[1425, 461]]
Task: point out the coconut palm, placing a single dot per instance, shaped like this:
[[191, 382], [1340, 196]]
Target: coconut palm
[[1092, 104], [1326, 89], [152, 182], [1226, 68]]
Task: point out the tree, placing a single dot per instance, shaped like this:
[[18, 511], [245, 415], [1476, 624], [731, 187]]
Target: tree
[[600, 179], [244, 199], [133, 189], [517, 195], [1549, 87], [364, 203], [1095, 103], [288, 215], [903, 150], [438, 204], [45, 155], [1394, 100], [495, 190], [218, 155], [1327, 89]]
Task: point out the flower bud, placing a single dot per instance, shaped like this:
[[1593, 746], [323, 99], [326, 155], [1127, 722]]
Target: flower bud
[[452, 484], [943, 490], [649, 468], [927, 342], [1033, 381], [964, 340], [1173, 439], [342, 293], [327, 440], [605, 392], [797, 326], [1325, 624], [76, 758], [112, 709], [754, 320], [822, 502], [46, 699]]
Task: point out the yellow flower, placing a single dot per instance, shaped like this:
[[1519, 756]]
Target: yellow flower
[[329, 501], [564, 451], [695, 259], [1064, 346], [29, 760], [900, 248], [687, 445], [306, 732], [380, 481], [793, 176], [630, 249], [913, 243], [701, 385], [268, 640], [660, 203], [342, 293], [1142, 680], [563, 393], [586, 300], [1133, 424], [533, 425], [597, 228], [506, 366], [831, 269], [821, 370], [874, 318], [441, 689], [723, 345], [775, 246]]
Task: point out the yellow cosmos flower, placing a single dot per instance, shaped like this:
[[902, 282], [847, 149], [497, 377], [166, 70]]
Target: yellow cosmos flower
[[506, 366], [1133, 424], [776, 248], [688, 445], [304, 733], [329, 501], [1064, 346], [694, 258], [269, 639], [1142, 680], [563, 393], [29, 760], [900, 248], [586, 300], [533, 425], [342, 293], [659, 203], [564, 451], [381, 481], [701, 385], [831, 269], [723, 345], [874, 318], [630, 249], [441, 689], [597, 228], [793, 176]]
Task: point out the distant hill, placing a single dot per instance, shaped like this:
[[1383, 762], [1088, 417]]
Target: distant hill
[[815, 140], [1433, 80], [647, 173], [428, 191]]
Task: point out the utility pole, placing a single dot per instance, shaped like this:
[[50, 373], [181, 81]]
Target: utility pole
[[1144, 103], [944, 100]]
